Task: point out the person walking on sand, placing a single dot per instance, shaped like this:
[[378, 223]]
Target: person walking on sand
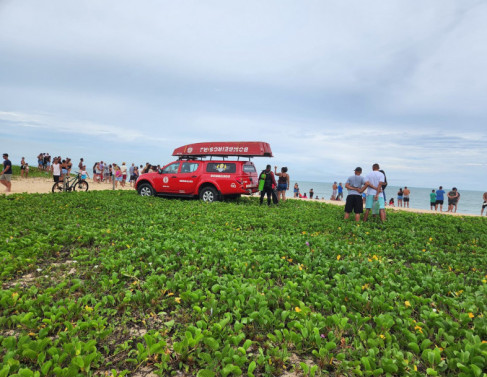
[[6, 174], [452, 199], [354, 201], [484, 204], [432, 200], [269, 182], [334, 192], [400, 196], [407, 192], [440, 196], [374, 181], [282, 183]]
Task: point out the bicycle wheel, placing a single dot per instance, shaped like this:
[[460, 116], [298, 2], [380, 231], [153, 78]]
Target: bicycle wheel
[[57, 187], [81, 186]]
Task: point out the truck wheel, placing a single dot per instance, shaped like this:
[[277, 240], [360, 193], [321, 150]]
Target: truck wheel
[[145, 189], [208, 195]]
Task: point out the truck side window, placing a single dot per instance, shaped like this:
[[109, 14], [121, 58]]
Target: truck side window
[[189, 167], [171, 169]]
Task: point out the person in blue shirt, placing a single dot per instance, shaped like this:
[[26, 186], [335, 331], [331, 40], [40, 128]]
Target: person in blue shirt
[[340, 192], [440, 196]]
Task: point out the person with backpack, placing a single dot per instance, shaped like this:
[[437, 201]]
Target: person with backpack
[[267, 182]]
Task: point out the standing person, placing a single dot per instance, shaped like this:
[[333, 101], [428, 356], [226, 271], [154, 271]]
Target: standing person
[[282, 183], [83, 173], [440, 195], [118, 174], [56, 169], [81, 164], [334, 192], [269, 181], [484, 204], [64, 169], [340, 191], [296, 190], [311, 193], [400, 196], [94, 171], [433, 200], [456, 203], [22, 167], [374, 181], [452, 199], [6, 174], [40, 161], [123, 169], [406, 196], [131, 174], [102, 169], [354, 201], [69, 165], [384, 185]]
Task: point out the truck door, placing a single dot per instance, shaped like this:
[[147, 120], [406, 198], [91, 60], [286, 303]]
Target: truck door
[[168, 178], [188, 177]]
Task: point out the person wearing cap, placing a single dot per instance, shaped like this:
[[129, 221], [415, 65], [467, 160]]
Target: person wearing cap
[[6, 174], [355, 186], [453, 196], [374, 181]]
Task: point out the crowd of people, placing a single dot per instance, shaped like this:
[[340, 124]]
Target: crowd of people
[[375, 183]]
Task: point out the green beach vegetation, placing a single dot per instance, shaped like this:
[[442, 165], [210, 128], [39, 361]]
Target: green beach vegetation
[[110, 283]]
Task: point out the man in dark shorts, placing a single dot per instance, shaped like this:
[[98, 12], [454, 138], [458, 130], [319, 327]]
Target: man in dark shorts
[[453, 196], [355, 186], [440, 196], [6, 173]]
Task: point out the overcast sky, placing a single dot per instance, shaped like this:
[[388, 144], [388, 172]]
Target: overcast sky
[[331, 85]]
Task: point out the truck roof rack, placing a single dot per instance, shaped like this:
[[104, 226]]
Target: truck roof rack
[[224, 149]]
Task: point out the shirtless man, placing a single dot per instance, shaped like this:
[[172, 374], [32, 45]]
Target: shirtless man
[[484, 204], [405, 197]]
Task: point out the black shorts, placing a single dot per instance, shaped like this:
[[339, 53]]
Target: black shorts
[[354, 203], [405, 199], [439, 202], [432, 203], [56, 178]]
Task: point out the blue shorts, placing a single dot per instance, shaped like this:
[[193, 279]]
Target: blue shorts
[[64, 171], [282, 187], [399, 198], [370, 202]]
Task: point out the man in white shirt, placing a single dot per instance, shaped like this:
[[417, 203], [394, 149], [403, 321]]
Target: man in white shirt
[[374, 181]]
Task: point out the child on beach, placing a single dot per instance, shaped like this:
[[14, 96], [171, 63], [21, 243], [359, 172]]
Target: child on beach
[[83, 173]]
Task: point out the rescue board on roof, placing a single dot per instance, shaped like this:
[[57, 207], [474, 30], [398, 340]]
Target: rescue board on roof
[[222, 148]]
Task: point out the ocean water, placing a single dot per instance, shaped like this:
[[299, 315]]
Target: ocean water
[[470, 201]]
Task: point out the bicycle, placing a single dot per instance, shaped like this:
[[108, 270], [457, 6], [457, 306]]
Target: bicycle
[[70, 184]]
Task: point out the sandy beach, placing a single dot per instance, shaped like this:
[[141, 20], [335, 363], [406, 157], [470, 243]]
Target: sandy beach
[[44, 186]]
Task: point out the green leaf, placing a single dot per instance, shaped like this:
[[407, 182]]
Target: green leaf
[[45, 367], [431, 372], [205, 373]]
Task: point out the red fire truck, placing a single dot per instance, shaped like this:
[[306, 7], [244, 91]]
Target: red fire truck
[[210, 171]]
